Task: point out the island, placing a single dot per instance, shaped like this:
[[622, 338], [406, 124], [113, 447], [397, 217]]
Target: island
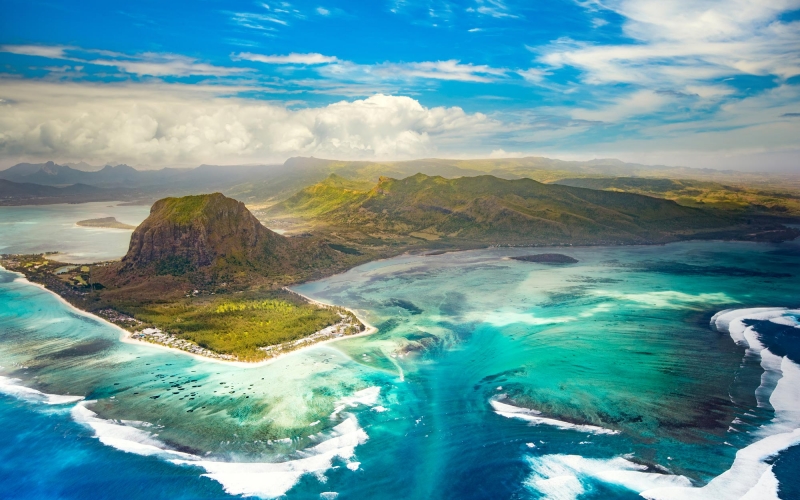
[[547, 258], [105, 222]]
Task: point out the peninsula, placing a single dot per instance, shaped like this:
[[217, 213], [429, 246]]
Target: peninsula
[[202, 274]]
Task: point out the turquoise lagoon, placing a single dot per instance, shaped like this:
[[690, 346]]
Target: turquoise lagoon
[[488, 378]]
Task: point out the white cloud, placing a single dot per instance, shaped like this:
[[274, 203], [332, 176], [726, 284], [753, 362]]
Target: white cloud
[[533, 75], [167, 65], [338, 70], [322, 11], [642, 102], [748, 133], [51, 51], [293, 58], [501, 153], [678, 42], [148, 63], [167, 124], [493, 8], [432, 70], [445, 70]]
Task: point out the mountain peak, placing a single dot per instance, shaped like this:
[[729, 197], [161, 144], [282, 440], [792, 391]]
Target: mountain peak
[[200, 231]]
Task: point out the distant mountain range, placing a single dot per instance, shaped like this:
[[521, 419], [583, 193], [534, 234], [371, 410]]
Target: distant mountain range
[[26, 183], [51, 174], [23, 193], [266, 185]]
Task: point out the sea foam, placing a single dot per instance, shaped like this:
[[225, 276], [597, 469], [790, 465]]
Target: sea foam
[[262, 479], [271, 480], [11, 387], [532, 416], [750, 477], [566, 477]]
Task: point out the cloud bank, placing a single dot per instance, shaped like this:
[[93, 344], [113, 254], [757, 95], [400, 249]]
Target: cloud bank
[[170, 124]]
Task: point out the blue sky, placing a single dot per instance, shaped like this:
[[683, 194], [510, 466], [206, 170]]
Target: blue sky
[[680, 82]]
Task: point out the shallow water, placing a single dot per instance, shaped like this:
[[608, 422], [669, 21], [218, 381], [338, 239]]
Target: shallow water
[[619, 342], [49, 228]]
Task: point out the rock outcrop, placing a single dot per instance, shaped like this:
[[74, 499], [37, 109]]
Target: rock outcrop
[[202, 230], [208, 239]]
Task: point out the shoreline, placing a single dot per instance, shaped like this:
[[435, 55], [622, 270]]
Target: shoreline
[[126, 338], [370, 329]]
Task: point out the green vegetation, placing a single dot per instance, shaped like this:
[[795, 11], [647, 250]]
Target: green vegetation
[[238, 326], [174, 265], [298, 173], [233, 325], [705, 194], [327, 195], [475, 211], [344, 249], [207, 274], [185, 209]]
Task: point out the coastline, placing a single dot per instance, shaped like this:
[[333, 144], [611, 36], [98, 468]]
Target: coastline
[[369, 329], [126, 338]]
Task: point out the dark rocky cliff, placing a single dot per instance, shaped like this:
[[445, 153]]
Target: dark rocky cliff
[[208, 240], [202, 230]]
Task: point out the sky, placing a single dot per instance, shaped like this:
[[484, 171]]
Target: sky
[[700, 83]]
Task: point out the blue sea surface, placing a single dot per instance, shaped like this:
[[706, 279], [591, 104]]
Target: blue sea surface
[[487, 378]]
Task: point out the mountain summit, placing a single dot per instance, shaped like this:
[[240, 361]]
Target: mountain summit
[[212, 239], [202, 231]]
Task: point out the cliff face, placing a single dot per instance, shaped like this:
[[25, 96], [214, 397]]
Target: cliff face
[[212, 243], [202, 231]]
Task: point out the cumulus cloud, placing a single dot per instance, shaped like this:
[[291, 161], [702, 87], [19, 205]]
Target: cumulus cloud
[[167, 124]]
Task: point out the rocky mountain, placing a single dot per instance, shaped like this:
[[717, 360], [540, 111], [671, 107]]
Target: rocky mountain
[[211, 239]]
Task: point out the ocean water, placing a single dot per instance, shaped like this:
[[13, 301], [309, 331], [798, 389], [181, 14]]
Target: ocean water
[[52, 228], [657, 372]]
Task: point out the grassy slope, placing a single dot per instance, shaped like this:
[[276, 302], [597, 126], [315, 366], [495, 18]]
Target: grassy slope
[[700, 193], [726, 190], [487, 209]]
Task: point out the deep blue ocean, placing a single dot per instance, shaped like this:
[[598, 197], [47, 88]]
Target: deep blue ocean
[[659, 372]]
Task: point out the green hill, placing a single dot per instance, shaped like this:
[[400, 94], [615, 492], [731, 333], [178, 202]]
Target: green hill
[[489, 210], [700, 194]]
